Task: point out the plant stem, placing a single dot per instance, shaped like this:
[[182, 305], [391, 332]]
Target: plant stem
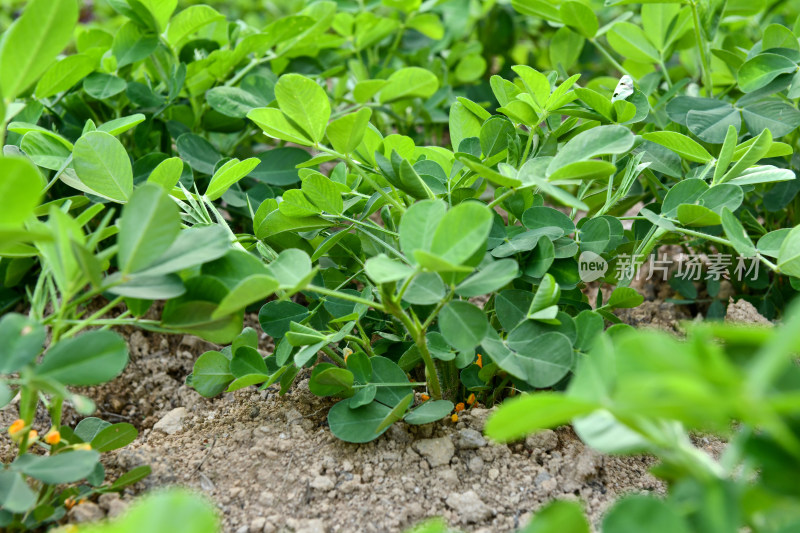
[[499, 199], [418, 334], [701, 47], [91, 320], [346, 296], [608, 56], [333, 355]]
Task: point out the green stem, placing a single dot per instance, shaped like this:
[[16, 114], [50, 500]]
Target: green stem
[[420, 341], [333, 355], [346, 296], [701, 47], [499, 199], [608, 56], [91, 319]]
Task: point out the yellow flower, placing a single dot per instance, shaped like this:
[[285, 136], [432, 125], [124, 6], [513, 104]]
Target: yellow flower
[[454, 418], [33, 435], [346, 352], [479, 362], [83, 446], [53, 437], [424, 397], [15, 428], [471, 399], [459, 407]]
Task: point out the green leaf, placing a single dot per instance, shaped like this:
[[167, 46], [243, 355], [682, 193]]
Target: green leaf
[[63, 75], [789, 254], [131, 44], [122, 124], [330, 380], [323, 193], [418, 226], [277, 125], [680, 144], [778, 117], [246, 361], [248, 291], [89, 359], [167, 173], [358, 424], [531, 412], [233, 101], [545, 358], [32, 43], [228, 174], [633, 513], [20, 190], [736, 234], [396, 414], [426, 289], [23, 339], [61, 468], [559, 515], [463, 325], [211, 374], [624, 298], [88, 428], [461, 232], [387, 371], [194, 246], [44, 150], [630, 41], [488, 173], [712, 125], [15, 494], [770, 244], [463, 124], [278, 166], [597, 141], [760, 70], [102, 164], [291, 268], [430, 411], [382, 269], [305, 103], [114, 437], [725, 153], [579, 17], [276, 316], [103, 86], [489, 278], [189, 21], [697, 215], [755, 152], [409, 82], [198, 152], [346, 133], [149, 224]]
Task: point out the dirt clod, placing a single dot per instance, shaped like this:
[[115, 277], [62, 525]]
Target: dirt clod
[[745, 313]]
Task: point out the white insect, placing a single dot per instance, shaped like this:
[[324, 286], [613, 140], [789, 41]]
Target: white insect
[[624, 89]]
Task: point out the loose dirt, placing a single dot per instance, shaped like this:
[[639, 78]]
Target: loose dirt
[[270, 463]]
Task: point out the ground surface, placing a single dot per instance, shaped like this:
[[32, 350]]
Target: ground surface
[[270, 463]]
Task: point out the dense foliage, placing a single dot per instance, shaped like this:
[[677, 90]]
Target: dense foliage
[[408, 194]]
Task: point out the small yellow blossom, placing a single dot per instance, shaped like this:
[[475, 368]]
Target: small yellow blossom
[[454, 418], [424, 397], [459, 407], [479, 362], [471, 399], [83, 446], [53, 437], [33, 435], [16, 427]]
